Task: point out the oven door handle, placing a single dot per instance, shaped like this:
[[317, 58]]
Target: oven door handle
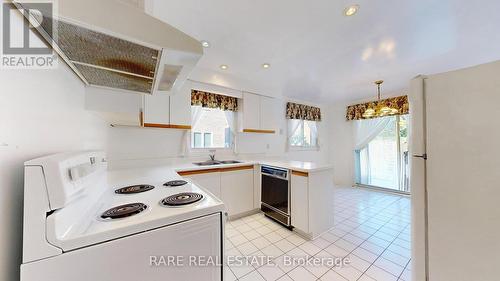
[[276, 177]]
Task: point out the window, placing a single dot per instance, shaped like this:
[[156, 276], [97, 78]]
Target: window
[[383, 162], [210, 128], [305, 133], [197, 140], [207, 139]]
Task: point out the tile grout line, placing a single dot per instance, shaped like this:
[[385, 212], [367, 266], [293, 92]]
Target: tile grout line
[[385, 249]]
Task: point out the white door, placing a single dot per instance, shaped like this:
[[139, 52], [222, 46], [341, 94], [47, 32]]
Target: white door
[[417, 178], [268, 111], [463, 190], [208, 181], [300, 202], [237, 191], [157, 109], [251, 111], [180, 106]]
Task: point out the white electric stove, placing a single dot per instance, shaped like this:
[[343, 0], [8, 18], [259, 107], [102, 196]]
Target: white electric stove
[[83, 222]]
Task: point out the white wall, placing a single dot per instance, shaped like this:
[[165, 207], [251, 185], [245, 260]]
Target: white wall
[[41, 112], [342, 145]]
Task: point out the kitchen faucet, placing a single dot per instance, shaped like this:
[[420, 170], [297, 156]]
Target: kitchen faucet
[[212, 154]]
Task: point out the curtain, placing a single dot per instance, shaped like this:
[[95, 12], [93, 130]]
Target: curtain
[[314, 130], [196, 112], [302, 112], [366, 130], [293, 125], [232, 128], [211, 100], [355, 112]]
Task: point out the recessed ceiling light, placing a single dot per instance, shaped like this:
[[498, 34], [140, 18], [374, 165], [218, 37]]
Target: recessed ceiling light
[[266, 65], [205, 44], [351, 10], [223, 66]]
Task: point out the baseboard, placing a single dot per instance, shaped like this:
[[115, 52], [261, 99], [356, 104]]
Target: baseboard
[[244, 214]]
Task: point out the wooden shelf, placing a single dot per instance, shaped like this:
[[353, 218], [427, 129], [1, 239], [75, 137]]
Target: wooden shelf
[[259, 131], [167, 126]]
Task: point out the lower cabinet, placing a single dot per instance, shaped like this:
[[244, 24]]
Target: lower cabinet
[[300, 202], [210, 181], [237, 190], [311, 202], [234, 186]]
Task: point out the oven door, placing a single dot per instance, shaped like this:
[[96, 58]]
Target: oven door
[[276, 193]]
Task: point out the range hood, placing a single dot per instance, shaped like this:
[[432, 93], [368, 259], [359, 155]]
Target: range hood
[[113, 45]]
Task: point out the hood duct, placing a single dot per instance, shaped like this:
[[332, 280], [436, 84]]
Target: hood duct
[[110, 44]]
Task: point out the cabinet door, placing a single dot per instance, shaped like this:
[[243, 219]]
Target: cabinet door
[[209, 181], [157, 109], [237, 191], [268, 113], [116, 107], [180, 107], [300, 202], [251, 111]]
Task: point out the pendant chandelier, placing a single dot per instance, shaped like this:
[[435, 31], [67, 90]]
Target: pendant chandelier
[[380, 109]]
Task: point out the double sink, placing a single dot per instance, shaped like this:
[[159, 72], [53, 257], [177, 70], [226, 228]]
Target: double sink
[[216, 162]]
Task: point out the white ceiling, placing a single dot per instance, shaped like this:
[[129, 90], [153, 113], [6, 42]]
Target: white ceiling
[[318, 54]]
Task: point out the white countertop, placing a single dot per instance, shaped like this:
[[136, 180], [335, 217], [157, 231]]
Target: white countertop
[[307, 167]]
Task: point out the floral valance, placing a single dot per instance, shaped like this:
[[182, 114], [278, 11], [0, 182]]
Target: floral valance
[[355, 112], [303, 112], [211, 100]]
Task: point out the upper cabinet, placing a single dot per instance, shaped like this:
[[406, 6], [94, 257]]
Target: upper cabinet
[[258, 114], [118, 108], [180, 106], [156, 110], [269, 107], [168, 111], [250, 111]]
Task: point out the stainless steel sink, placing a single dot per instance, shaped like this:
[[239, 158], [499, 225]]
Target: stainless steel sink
[[230, 162], [208, 163], [215, 162]]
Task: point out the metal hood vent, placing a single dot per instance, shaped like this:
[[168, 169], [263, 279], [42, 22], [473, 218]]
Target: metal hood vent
[[113, 45]]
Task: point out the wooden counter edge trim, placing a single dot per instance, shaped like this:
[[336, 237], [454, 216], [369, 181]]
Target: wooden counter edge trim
[[167, 126], [259, 131], [238, 168], [299, 173], [214, 170], [198, 172]]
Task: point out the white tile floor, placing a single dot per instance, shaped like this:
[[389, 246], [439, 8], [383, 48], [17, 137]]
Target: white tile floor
[[371, 228]]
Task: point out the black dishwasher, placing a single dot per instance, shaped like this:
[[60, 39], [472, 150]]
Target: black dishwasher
[[275, 194]]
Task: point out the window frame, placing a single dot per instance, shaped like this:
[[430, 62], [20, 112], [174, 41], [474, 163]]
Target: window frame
[[193, 140], [198, 151], [304, 147]]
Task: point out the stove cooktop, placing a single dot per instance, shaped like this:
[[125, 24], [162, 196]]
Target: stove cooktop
[[181, 199], [175, 183], [134, 189], [124, 211]]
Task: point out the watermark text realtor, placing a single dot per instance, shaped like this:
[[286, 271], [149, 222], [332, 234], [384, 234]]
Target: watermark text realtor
[[22, 47]]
